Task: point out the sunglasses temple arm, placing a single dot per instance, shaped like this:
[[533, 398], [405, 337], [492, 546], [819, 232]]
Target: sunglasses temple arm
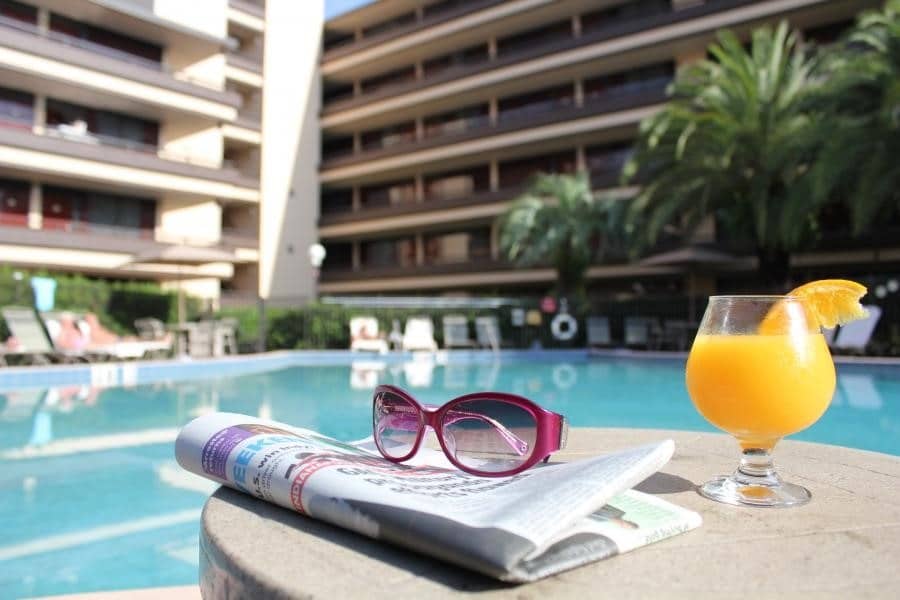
[[519, 445]]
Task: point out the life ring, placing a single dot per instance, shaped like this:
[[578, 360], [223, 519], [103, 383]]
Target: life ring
[[564, 376], [564, 327]]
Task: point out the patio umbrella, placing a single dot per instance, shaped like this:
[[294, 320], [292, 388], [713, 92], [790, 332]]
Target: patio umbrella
[[181, 256], [692, 258]]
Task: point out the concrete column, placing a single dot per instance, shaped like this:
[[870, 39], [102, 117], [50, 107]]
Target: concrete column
[[357, 142], [420, 13], [495, 241], [357, 87], [43, 20], [493, 111], [579, 93], [39, 124], [580, 158], [420, 128], [35, 206], [420, 250], [355, 256], [420, 188], [357, 198], [494, 172], [420, 70], [492, 48], [358, 34], [576, 26]]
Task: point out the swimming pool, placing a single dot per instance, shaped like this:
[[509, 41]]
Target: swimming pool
[[91, 497]]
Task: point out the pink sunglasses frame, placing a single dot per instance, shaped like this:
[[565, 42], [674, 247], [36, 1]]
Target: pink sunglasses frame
[[550, 437]]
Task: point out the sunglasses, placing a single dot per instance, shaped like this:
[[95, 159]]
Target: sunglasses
[[490, 434]]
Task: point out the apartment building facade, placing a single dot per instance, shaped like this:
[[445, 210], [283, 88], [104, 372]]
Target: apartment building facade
[[435, 115], [130, 125]]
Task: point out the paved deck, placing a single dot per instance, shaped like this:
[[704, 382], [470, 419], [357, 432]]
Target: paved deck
[[844, 544]]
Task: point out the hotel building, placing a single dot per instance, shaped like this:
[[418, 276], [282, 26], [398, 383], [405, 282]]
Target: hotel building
[[129, 125], [435, 115]]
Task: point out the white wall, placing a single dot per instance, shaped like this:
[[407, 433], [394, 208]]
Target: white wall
[[290, 152]]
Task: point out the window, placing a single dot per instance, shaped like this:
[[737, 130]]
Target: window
[[73, 120], [14, 202], [457, 184], [390, 78], [389, 25], [339, 256], [388, 194], [389, 136], [628, 82], [10, 9], [461, 58], [518, 172], [540, 36], [394, 252], [627, 11], [16, 109], [83, 210], [536, 103], [336, 39], [336, 201], [457, 247], [121, 45], [456, 121], [608, 158], [336, 147]]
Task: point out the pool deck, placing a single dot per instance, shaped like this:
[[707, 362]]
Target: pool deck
[[845, 543]]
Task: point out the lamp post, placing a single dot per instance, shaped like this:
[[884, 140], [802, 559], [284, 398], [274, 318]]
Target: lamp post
[[317, 254]]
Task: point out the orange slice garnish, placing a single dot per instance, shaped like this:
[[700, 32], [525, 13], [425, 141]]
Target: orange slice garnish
[[830, 302]]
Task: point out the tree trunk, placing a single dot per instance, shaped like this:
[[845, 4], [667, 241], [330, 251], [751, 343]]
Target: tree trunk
[[774, 269]]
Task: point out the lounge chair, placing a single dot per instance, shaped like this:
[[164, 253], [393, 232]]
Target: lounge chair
[[641, 332], [96, 342], [32, 341], [364, 336], [856, 334], [418, 334], [487, 332], [456, 332], [598, 332]]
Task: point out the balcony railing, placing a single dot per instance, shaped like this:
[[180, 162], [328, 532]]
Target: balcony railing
[[240, 236], [82, 236], [331, 275], [614, 30], [452, 12], [106, 51], [648, 93], [248, 62]]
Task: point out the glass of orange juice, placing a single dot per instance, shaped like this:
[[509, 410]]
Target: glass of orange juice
[[760, 370]]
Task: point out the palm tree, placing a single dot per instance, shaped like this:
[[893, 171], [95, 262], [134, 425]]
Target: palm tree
[[734, 143], [561, 221], [858, 163]]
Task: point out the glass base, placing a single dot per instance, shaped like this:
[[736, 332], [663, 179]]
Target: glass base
[[730, 491], [755, 483]]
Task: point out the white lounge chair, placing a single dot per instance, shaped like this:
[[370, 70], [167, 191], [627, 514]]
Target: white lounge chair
[[856, 334], [487, 332], [418, 334], [456, 332], [364, 336], [598, 332]]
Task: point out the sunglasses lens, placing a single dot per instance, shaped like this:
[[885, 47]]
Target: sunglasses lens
[[395, 423], [489, 435]]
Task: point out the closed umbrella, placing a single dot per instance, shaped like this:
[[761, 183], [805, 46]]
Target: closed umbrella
[[181, 256]]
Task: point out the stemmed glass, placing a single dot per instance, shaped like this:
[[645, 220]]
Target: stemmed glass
[[760, 370]]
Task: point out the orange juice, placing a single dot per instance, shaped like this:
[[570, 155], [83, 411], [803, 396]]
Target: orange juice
[[760, 388]]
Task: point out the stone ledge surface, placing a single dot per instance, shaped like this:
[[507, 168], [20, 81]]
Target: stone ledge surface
[[845, 543]]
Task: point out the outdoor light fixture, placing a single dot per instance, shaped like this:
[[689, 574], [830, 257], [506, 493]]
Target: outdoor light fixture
[[316, 255], [893, 285], [880, 291]]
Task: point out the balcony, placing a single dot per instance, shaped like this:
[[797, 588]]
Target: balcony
[[240, 237], [102, 158], [30, 40], [436, 17], [480, 265], [547, 113], [82, 236], [610, 31]]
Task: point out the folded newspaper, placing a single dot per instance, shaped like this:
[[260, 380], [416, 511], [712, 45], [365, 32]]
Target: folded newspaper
[[519, 528]]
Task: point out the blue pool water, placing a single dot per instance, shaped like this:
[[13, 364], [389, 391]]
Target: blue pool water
[[91, 497]]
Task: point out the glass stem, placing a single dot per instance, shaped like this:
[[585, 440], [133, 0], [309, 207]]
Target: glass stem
[[756, 468]]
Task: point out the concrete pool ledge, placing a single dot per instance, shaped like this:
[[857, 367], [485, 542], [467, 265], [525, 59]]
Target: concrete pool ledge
[[843, 544]]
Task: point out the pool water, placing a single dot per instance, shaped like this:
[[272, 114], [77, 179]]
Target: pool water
[[91, 497]]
